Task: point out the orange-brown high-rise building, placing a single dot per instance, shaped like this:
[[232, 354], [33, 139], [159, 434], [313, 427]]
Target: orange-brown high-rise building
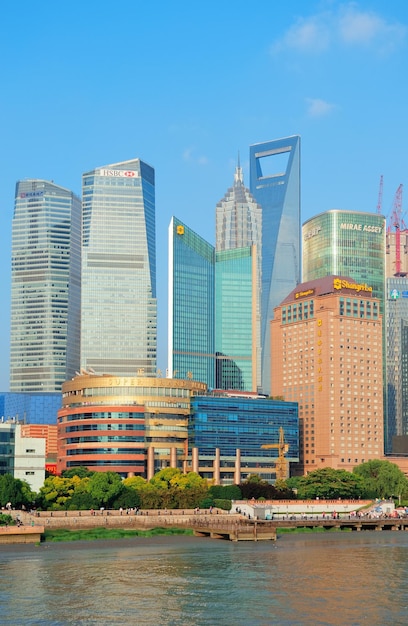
[[327, 356]]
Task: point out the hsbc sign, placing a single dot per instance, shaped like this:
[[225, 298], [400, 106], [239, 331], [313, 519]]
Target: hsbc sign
[[118, 173]]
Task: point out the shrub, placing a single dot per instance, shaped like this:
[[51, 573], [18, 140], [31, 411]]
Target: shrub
[[6, 520], [223, 504]]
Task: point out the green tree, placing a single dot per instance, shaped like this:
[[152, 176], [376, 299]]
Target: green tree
[[328, 483], [256, 487], [166, 477], [105, 487], [81, 471], [6, 520], [81, 501], [127, 499], [135, 482], [56, 492], [381, 479], [225, 492], [16, 491], [150, 497], [283, 489]]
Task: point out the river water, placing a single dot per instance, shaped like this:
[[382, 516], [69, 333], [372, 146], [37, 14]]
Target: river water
[[344, 579]]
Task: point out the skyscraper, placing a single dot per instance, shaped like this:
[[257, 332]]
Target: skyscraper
[[275, 185], [237, 319], [119, 309], [45, 287], [191, 305], [396, 323], [238, 217], [350, 243], [238, 288], [328, 357]]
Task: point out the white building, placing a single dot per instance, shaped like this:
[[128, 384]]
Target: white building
[[23, 457]]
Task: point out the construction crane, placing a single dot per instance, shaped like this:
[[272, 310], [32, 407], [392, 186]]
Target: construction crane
[[282, 447], [398, 223], [380, 196]]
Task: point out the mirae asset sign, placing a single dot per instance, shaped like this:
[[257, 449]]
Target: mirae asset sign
[[367, 228], [118, 173]]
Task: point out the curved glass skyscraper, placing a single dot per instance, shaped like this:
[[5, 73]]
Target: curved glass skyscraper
[[347, 243], [119, 310], [275, 185]]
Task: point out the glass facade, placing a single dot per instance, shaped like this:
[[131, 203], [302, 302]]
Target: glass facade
[[275, 185], [238, 226], [346, 243], [30, 408], [119, 309], [397, 359], [7, 447], [127, 424], [45, 287], [236, 298], [191, 350], [351, 244], [231, 423]]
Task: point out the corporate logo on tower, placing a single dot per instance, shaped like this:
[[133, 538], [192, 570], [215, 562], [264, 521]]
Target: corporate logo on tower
[[339, 283], [118, 173]]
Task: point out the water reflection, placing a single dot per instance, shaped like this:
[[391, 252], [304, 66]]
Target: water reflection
[[350, 578]]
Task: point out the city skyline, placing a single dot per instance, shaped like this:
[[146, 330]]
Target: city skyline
[[330, 72]]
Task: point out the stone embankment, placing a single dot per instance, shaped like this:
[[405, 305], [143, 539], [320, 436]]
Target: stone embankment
[[128, 520], [21, 534]]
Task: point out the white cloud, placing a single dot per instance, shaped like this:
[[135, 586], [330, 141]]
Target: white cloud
[[308, 35], [365, 27], [347, 25], [318, 108], [190, 156], [187, 154]]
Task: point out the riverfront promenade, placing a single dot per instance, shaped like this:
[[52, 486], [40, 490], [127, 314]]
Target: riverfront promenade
[[244, 522]]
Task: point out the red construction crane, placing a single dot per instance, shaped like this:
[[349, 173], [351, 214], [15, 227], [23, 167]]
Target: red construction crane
[[380, 196], [398, 223]]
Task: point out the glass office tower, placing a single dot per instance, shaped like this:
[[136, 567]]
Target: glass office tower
[[238, 220], [119, 309], [191, 353], [346, 243], [275, 185], [396, 325], [236, 319], [45, 287]]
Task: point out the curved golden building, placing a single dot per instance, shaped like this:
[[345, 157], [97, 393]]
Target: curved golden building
[[124, 424]]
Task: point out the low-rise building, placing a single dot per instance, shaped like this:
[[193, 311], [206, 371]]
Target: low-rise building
[[139, 425], [23, 457]]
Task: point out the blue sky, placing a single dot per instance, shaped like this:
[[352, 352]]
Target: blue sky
[[187, 85]]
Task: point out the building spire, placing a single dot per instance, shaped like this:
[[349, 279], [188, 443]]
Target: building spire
[[238, 176]]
